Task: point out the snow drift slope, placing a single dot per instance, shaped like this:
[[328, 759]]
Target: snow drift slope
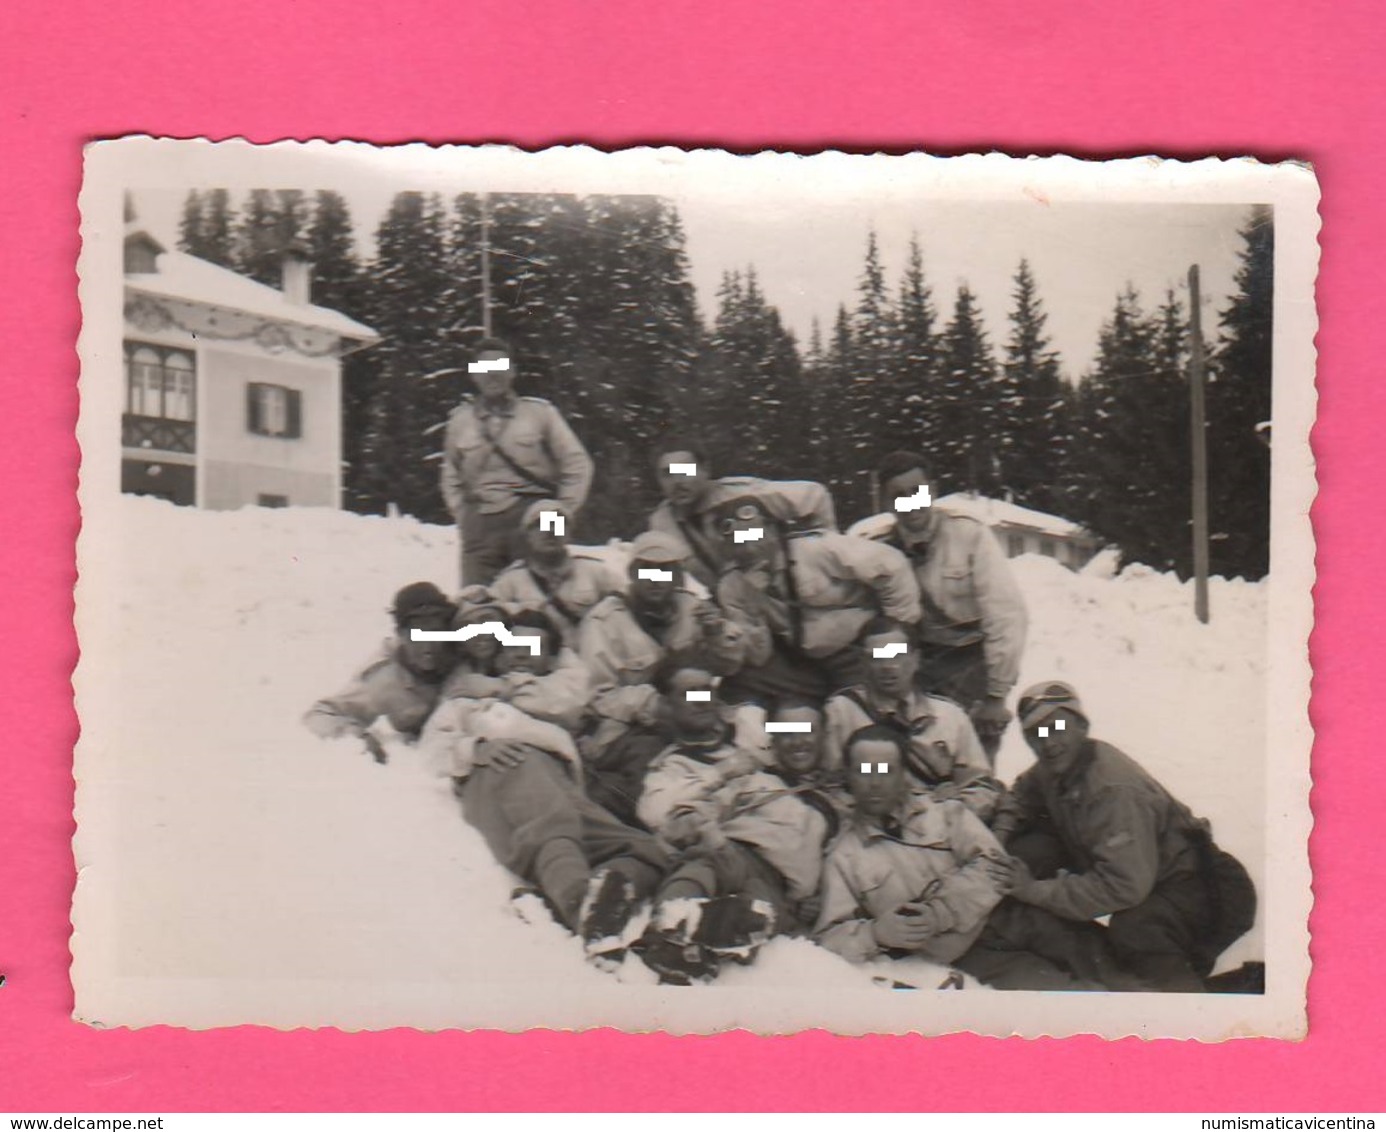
[[249, 849]]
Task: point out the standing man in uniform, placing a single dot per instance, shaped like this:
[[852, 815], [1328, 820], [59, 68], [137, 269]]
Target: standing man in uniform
[[501, 453], [973, 631]]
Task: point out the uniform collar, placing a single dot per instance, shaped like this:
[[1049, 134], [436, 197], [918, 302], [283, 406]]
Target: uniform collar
[[557, 575], [915, 705], [898, 820], [1073, 777], [918, 543], [505, 408]]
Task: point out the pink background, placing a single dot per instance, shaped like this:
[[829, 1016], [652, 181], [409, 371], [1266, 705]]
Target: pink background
[[1274, 78]]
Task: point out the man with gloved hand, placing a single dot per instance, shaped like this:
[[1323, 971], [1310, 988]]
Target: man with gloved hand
[[402, 682]]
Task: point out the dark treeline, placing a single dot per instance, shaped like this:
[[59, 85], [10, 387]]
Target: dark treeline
[[595, 296]]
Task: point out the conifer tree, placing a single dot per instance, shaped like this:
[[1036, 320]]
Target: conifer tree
[[752, 361], [1131, 449], [271, 221], [911, 389], [338, 284], [1239, 400], [869, 411], [190, 224], [204, 229], [966, 410], [840, 457], [218, 223], [1033, 405], [408, 305]]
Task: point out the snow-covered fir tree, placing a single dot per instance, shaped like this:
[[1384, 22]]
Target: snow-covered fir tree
[[1034, 402], [1239, 400], [965, 406]]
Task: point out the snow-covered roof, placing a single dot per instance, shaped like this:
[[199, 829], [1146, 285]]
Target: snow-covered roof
[[999, 513], [993, 512], [194, 280]]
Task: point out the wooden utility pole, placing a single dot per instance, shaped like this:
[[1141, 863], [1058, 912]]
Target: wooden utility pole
[[1199, 444], [486, 264]]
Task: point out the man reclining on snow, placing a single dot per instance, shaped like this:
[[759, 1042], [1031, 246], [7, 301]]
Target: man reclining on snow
[[912, 875], [402, 683], [515, 767], [751, 845]]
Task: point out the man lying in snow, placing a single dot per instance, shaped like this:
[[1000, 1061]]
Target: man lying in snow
[[910, 875], [516, 771], [1092, 834], [402, 683], [750, 847]]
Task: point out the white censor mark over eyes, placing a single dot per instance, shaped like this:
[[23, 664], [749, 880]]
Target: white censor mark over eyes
[[914, 502], [788, 728], [654, 575], [552, 519], [750, 535], [699, 697], [881, 768], [495, 365], [683, 469], [886, 652], [495, 629], [1044, 731]]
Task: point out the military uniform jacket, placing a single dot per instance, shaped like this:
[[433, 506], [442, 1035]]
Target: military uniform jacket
[[756, 809], [1125, 831], [936, 854], [965, 577], [566, 598], [945, 755], [831, 587], [617, 649], [384, 687], [536, 438], [801, 505]]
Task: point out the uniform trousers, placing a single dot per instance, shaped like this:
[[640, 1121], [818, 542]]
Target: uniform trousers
[[489, 542], [1173, 937], [539, 824], [732, 869]]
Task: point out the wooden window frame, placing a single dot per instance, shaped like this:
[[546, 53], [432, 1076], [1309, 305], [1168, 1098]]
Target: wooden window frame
[[254, 410]]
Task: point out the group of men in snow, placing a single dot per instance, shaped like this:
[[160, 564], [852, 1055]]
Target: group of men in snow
[[765, 726]]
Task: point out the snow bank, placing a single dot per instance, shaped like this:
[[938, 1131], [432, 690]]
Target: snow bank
[[251, 849]]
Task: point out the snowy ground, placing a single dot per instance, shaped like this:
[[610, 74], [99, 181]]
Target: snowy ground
[[248, 848]]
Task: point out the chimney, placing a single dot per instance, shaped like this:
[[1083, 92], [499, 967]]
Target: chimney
[[297, 282]]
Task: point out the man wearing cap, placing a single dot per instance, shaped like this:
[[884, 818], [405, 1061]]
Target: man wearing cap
[[402, 683], [803, 600], [501, 452], [550, 575], [1123, 847], [973, 632], [625, 641], [691, 496]]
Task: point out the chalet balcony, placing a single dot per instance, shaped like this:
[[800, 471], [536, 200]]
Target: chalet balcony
[[158, 434]]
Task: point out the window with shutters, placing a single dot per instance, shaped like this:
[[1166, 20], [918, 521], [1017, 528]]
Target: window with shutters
[[274, 410]]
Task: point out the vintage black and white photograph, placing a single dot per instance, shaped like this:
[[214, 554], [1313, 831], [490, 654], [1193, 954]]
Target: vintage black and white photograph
[[680, 591]]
